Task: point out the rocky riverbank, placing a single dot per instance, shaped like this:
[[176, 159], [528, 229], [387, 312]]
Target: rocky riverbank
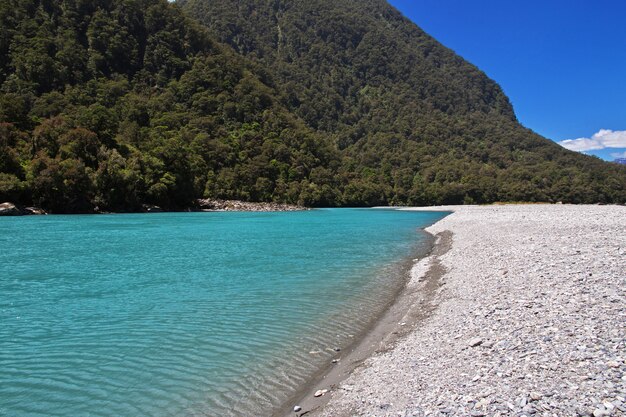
[[236, 205], [10, 209], [529, 319]]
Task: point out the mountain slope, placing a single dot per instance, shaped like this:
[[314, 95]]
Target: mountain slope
[[416, 123], [111, 104], [107, 105], [342, 47]]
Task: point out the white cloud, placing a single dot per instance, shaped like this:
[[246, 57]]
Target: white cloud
[[605, 138], [619, 155]]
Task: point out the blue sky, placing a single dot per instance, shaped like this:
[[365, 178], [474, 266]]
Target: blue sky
[[562, 63]]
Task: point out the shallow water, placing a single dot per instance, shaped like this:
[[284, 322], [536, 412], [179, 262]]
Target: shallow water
[[187, 314]]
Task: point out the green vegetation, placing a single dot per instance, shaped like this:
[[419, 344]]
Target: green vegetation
[[116, 103], [415, 123], [111, 104]]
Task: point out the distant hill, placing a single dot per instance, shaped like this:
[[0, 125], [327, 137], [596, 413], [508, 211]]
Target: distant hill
[[108, 105], [621, 161]]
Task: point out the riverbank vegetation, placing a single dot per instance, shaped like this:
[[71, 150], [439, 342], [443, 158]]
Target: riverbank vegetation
[[112, 104]]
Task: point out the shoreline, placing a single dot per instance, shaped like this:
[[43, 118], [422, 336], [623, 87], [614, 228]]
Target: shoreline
[[9, 209], [411, 304], [528, 319]]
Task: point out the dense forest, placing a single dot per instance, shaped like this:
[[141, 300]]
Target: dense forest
[[416, 124], [107, 105], [111, 104]]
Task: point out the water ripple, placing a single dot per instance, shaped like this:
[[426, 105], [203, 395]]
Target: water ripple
[[198, 314]]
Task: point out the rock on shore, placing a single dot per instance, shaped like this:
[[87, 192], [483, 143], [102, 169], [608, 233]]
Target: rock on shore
[[10, 209], [531, 321], [235, 205]]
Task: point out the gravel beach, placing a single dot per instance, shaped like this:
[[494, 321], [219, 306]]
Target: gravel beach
[[528, 319]]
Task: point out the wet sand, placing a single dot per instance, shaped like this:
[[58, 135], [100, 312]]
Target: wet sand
[[413, 303]]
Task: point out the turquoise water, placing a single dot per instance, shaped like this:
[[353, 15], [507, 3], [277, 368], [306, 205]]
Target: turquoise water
[[187, 314]]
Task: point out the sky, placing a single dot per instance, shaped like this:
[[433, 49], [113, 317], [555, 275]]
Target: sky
[[561, 62]]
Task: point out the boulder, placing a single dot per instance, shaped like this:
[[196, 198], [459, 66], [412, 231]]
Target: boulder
[[9, 209], [36, 211], [148, 208]]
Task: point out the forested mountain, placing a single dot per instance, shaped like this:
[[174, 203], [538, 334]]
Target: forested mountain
[[415, 123], [111, 104], [116, 103]]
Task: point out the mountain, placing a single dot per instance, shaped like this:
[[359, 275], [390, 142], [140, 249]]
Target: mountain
[[621, 161], [415, 123], [106, 105], [109, 105]]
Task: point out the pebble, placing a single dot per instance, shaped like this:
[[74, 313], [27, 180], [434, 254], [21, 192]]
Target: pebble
[[477, 341], [320, 392], [551, 329], [297, 408]]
